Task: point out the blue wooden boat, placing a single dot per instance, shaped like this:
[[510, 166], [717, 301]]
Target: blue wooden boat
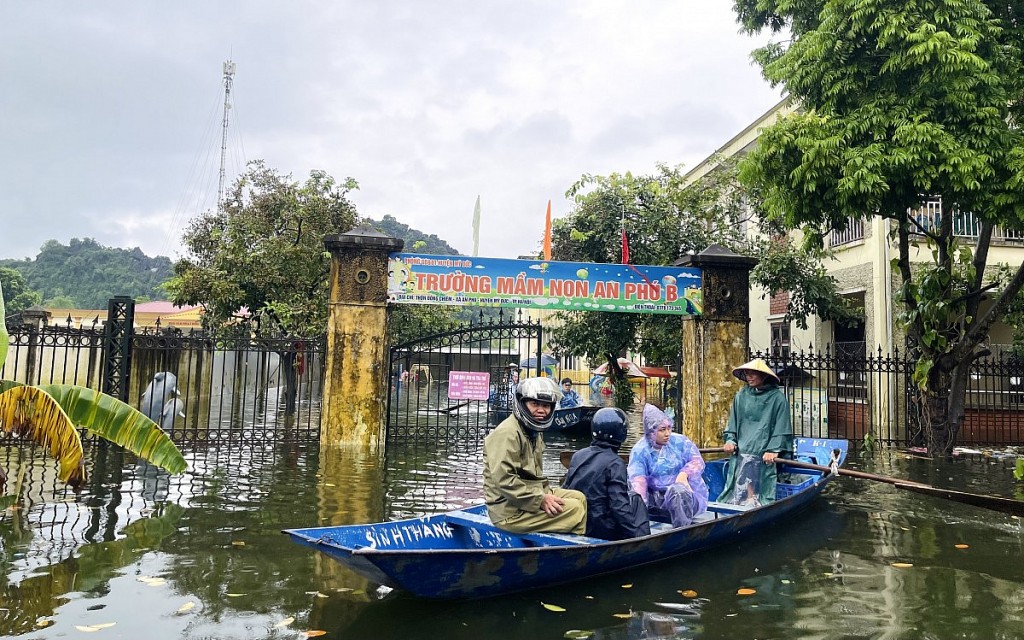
[[566, 420], [461, 555], [572, 419]]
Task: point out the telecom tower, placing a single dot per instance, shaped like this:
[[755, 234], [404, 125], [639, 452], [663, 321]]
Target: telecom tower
[[229, 74]]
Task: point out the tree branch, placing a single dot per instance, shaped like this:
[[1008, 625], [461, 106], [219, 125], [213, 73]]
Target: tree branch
[[979, 329]]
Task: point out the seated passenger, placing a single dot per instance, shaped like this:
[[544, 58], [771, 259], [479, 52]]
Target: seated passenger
[[613, 512], [666, 470], [569, 397], [518, 496]]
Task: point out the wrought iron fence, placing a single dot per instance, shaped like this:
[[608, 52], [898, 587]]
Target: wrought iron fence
[[199, 386], [848, 392], [456, 384]]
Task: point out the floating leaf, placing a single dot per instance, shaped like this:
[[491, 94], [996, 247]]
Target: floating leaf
[[188, 606], [578, 633], [103, 625], [552, 607], [85, 629], [628, 586], [786, 581], [589, 597], [322, 595], [315, 633], [42, 624], [688, 593], [238, 543], [234, 595], [623, 615], [746, 592], [902, 565], [284, 623], [962, 546]]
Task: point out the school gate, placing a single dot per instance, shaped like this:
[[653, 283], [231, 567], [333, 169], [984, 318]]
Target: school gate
[[453, 386]]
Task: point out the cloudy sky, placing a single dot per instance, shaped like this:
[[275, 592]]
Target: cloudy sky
[[110, 113]]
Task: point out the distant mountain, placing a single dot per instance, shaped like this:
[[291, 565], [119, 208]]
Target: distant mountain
[[85, 274], [415, 241]]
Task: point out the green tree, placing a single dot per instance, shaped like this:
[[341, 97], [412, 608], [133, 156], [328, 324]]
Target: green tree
[[260, 259], [16, 294], [902, 100], [663, 220]]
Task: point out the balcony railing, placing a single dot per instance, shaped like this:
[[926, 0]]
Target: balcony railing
[[854, 231], [965, 224]]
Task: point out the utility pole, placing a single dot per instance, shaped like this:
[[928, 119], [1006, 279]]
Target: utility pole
[[229, 74]]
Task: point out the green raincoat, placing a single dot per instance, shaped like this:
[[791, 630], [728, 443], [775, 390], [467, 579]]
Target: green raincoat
[[759, 422]]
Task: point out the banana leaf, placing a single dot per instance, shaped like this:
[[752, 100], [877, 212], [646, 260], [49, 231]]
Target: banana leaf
[[32, 412], [114, 420]]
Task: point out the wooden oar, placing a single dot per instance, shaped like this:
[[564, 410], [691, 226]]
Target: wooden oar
[[566, 456], [996, 503]]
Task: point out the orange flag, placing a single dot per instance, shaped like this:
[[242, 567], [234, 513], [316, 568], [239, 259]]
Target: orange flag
[[547, 234]]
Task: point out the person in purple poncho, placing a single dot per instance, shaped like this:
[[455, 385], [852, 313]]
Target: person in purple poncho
[[666, 469]]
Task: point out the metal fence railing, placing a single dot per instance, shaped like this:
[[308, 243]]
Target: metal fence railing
[[849, 392], [199, 386]]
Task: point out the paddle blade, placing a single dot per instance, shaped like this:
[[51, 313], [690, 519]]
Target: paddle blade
[[995, 503], [114, 420], [32, 413]]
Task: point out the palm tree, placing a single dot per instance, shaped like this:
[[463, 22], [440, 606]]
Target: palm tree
[[50, 414]]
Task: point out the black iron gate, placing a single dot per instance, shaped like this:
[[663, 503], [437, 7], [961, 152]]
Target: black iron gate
[[453, 386]]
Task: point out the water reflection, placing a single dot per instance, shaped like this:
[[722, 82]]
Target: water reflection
[[212, 536]]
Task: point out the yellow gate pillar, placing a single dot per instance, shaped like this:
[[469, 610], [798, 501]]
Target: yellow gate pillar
[[715, 342], [355, 384]]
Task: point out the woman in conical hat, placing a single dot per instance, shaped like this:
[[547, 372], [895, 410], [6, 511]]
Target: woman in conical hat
[[759, 431]]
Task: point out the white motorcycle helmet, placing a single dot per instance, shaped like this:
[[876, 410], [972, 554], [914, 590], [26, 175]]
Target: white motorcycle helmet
[[540, 390]]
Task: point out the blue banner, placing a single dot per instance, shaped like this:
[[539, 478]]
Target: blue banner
[[563, 286]]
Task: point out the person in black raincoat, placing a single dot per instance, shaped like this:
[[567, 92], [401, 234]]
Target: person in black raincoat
[[613, 512]]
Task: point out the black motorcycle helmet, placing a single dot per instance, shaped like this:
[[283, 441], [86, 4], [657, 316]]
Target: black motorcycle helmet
[[610, 425]]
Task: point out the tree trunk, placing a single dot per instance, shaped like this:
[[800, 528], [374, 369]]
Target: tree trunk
[[291, 390], [943, 406]]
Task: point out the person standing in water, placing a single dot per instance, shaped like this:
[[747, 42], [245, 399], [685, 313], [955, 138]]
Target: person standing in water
[[758, 432]]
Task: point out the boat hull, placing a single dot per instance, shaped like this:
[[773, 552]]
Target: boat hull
[[568, 420], [573, 419], [460, 555]]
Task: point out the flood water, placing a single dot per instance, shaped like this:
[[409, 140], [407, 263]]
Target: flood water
[[201, 555]]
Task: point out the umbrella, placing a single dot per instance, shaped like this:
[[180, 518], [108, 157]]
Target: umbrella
[[632, 371], [545, 361]]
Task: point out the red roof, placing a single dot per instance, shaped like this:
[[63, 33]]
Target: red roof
[[657, 372]]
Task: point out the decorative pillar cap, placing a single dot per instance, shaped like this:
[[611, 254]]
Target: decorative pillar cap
[[364, 237], [717, 256]]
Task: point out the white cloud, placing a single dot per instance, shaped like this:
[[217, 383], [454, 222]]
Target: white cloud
[[112, 111]]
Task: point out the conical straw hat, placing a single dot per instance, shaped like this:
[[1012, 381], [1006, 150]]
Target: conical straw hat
[[757, 364]]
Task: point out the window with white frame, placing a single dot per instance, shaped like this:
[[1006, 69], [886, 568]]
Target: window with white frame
[[780, 339]]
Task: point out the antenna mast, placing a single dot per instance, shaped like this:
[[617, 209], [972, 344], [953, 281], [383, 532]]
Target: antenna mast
[[229, 74]]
